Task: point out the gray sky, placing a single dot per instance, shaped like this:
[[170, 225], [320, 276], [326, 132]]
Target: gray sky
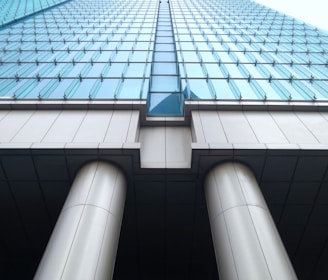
[[309, 11]]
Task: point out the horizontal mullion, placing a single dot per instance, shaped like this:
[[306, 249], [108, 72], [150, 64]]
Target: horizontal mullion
[[81, 78]]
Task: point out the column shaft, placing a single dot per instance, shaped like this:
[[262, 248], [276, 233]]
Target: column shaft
[[246, 242], [84, 242]]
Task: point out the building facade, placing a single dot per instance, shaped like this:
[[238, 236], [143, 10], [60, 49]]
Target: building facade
[[151, 122]]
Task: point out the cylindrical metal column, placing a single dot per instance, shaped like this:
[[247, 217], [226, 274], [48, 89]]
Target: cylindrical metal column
[[84, 242], [246, 242]]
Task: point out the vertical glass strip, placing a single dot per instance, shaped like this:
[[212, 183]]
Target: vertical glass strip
[[164, 96]]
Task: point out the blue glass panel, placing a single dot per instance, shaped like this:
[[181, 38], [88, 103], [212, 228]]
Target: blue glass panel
[[190, 56], [48, 88], [164, 84], [270, 92], [83, 89], [233, 71], [59, 90], [165, 104], [26, 89], [222, 89], [164, 69], [107, 88], [164, 56], [6, 87], [200, 88], [214, 71], [320, 71], [321, 89], [95, 70], [194, 70], [303, 90], [131, 88]]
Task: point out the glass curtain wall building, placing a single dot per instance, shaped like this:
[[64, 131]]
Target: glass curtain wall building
[[177, 94], [221, 50]]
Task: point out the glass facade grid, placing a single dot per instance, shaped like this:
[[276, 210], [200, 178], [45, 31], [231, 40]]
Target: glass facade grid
[[252, 45], [94, 49], [220, 49], [11, 10]]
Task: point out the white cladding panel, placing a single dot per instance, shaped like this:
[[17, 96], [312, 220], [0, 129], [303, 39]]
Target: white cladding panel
[[272, 128], [119, 127], [237, 128], [65, 127], [37, 126], [178, 147], [68, 127], [317, 124], [94, 127], [293, 128], [197, 128], [265, 128], [3, 113], [165, 147], [213, 131], [133, 131], [152, 150], [12, 123]]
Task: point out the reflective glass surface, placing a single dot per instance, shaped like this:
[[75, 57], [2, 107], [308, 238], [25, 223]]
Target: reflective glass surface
[[11, 10], [131, 49], [80, 49], [239, 49], [164, 96]]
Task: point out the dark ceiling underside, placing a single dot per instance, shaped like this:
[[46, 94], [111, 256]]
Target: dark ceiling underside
[[165, 232]]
